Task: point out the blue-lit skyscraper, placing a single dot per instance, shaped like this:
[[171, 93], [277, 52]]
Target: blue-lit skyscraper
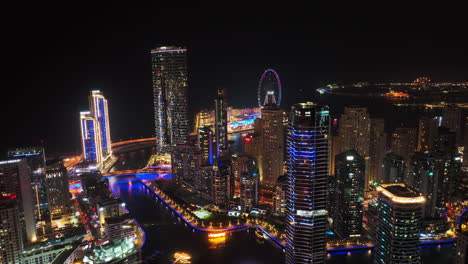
[[90, 138], [98, 109], [95, 132], [169, 68], [307, 143]]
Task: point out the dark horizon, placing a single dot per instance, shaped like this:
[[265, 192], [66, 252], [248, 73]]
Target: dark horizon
[[56, 58]]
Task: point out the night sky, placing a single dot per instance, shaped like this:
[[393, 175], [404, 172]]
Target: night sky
[[55, 57]]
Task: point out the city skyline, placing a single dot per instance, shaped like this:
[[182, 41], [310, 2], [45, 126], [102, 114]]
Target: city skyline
[[116, 62], [292, 136]]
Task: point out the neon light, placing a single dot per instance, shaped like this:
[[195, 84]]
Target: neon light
[[26, 154], [399, 199], [9, 161], [214, 235], [278, 103]]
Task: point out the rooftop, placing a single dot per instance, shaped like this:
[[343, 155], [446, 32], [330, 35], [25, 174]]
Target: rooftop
[[168, 49], [400, 193]]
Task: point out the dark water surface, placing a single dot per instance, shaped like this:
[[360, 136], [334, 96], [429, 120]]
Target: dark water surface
[[166, 235]]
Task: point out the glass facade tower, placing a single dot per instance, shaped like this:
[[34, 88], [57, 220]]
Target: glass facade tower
[[221, 122], [169, 69], [58, 196], [95, 131], [399, 224], [15, 182], [307, 143], [98, 107], [349, 173], [90, 137]]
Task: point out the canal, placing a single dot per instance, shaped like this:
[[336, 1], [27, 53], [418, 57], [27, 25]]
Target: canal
[[166, 235]]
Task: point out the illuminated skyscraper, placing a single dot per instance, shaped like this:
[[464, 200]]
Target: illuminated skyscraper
[[95, 131], [393, 167], [354, 130], [186, 161], [404, 142], [99, 111], [249, 179], [169, 69], [221, 122], [349, 173], [427, 133], [307, 150], [452, 119], [11, 238], [272, 141], [90, 137], [355, 133], [15, 181], [35, 157], [378, 148], [221, 182], [205, 144], [433, 176], [58, 196], [399, 224], [280, 196]]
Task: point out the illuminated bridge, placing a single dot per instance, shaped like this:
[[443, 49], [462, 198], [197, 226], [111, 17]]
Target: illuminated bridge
[[134, 144], [142, 175]]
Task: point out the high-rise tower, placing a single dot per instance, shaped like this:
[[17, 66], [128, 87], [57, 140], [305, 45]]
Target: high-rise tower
[[404, 142], [99, 111], [90, 137], [95, 131], [169, 68], [221, 122], [393, 167], [427, 133], [11, 238], [378, 148], [354, 130], [205, 143], [307, 151], [15, 182], [58, 196], [399, 224], [349, 173], [355, 133], [272, 142]]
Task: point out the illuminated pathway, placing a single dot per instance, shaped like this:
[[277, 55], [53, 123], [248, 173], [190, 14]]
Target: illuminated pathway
[[142, 177]]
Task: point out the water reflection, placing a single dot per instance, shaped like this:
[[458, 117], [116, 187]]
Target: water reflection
[[166, 235]]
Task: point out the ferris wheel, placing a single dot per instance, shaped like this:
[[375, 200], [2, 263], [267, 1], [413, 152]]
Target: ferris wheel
[[270, 84]]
